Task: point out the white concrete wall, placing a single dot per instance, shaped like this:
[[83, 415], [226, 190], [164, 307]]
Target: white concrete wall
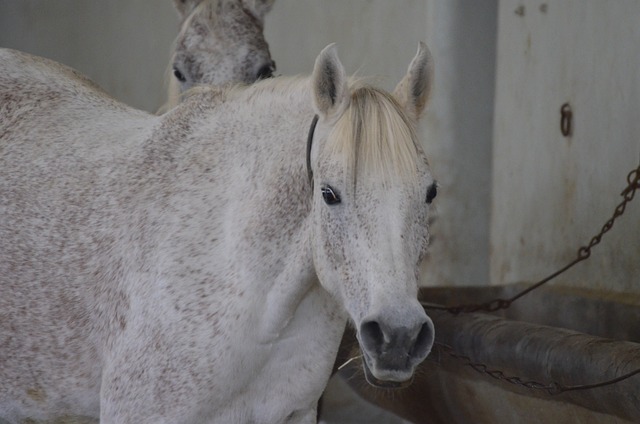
[[552, 193], [124, 46]]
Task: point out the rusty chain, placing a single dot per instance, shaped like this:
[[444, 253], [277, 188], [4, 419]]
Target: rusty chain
[[553, 388], [584, 252]]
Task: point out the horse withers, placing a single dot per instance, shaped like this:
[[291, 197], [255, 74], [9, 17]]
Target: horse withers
[[200, 266]]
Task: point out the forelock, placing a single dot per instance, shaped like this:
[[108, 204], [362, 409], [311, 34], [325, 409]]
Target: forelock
[[375, 137]]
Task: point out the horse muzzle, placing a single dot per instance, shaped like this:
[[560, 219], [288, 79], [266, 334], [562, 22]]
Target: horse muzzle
[[392, 352]]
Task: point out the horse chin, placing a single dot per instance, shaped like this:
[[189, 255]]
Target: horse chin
[[383, 384]]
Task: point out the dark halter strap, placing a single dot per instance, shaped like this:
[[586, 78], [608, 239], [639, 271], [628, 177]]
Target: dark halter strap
[[312, 129]]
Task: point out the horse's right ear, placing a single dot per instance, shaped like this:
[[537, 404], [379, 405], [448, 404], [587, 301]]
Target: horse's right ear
[[415, 88], [329, 84], [185, 7]]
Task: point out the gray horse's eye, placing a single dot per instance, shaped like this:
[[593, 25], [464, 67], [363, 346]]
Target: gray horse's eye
[[179, 75], [330, 197], [266, 71], [432, 191]]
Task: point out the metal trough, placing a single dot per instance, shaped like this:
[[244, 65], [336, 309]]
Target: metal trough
[[568, 336]]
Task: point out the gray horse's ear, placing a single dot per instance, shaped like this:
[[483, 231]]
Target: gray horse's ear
[[329, 84], [185, 7], [259, 8], [415, 88]]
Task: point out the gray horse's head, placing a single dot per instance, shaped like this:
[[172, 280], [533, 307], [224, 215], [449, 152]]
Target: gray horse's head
[[221, 41]]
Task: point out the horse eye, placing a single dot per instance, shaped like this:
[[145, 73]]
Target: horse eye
[[179, 75], [265, 72], [330, 197], [432, 191]]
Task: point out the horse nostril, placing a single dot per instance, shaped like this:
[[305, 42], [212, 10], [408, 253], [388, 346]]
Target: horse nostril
[[424, 341], [266, 71], [372, 336]]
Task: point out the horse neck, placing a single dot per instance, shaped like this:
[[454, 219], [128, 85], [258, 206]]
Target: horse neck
[[282, 222], [293, 283], [297, 307], [267, 196]]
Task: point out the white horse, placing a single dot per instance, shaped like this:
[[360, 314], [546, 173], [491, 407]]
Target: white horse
[[220, 41], [200, 266]]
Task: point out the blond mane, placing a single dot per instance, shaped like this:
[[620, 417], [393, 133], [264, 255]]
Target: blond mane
[[375, 137]]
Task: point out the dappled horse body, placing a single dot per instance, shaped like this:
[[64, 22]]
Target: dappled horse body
[[200, 266], [220, 41]]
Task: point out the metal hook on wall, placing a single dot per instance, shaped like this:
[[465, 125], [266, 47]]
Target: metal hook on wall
[[566, 120]]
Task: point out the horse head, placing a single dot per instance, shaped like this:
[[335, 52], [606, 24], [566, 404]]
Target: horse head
[[221, 41], [371, 198]]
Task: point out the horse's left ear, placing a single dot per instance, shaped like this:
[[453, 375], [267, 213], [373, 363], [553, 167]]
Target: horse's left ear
[[329, 84], [414, 89], [259, 8]]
